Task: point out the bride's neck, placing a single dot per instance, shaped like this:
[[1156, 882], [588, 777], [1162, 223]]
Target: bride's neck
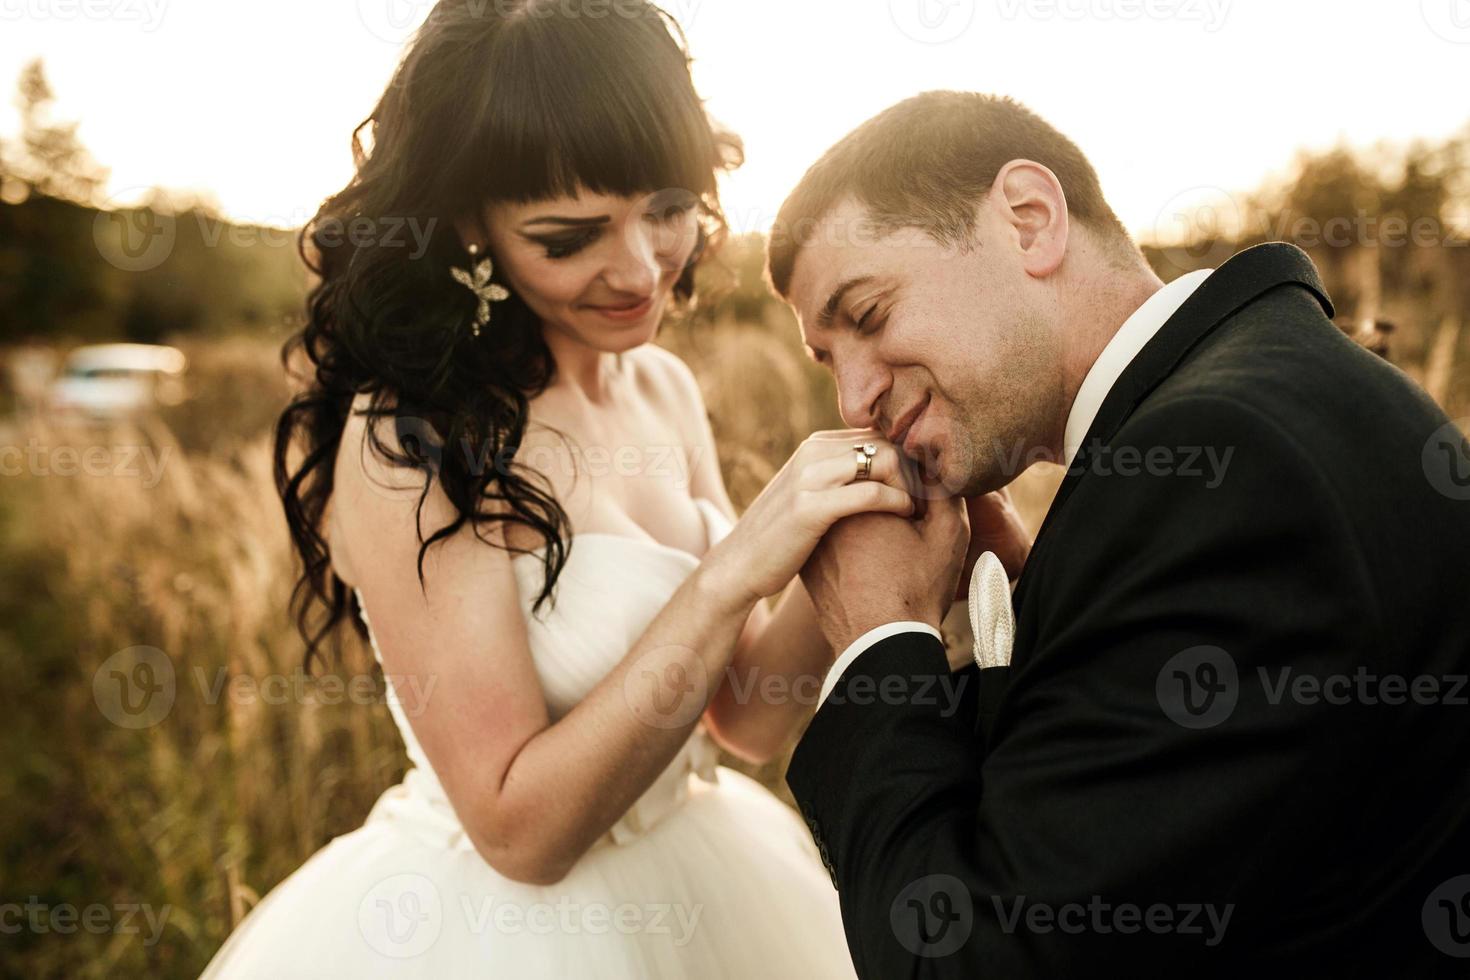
[[582, 371]]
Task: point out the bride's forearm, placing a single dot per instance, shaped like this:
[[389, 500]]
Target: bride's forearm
[[772, 686], [574, 779]]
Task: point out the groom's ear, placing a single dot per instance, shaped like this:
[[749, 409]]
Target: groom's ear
[[1033, 209]]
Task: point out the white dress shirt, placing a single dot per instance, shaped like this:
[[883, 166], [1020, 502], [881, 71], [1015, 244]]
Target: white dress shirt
[[1132, 337]]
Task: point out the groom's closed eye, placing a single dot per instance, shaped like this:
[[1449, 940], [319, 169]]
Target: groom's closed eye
[[865, 324], [869, 322]]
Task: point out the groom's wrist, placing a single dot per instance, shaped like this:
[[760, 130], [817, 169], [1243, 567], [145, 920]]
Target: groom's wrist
[[866, 641], [857, 631]]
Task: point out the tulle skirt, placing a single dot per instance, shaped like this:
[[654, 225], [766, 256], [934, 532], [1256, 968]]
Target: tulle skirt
[[727, 885]]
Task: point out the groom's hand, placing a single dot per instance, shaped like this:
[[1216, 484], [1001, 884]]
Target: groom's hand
[[996, 526], [873, 569]]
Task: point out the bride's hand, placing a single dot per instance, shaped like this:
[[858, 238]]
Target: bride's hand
[[814, 490]]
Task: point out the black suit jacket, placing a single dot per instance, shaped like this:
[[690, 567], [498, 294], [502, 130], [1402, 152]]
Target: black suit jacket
[[1155, 758]]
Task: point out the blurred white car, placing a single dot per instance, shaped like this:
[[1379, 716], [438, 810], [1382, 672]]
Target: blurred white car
[[107, 381]]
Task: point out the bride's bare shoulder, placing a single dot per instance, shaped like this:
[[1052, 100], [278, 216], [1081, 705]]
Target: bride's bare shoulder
[[373, 496]]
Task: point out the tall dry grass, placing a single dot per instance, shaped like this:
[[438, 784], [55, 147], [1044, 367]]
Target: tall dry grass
[[247, 772]]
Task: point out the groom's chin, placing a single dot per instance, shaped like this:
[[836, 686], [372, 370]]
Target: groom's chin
[[967, 477], [937, 478]]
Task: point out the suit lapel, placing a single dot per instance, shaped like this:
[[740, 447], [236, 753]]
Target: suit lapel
[[1236, 284]]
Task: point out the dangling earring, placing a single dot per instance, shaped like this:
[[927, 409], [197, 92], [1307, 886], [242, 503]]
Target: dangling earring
[[479, 283]]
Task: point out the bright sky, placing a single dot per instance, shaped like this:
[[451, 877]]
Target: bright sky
[[254, 102]]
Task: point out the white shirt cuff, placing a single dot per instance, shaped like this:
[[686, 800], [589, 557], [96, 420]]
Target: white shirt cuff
[[864, 642]]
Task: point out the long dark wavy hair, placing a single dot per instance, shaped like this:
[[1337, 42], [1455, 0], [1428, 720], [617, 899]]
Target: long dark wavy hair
[[511, 100]]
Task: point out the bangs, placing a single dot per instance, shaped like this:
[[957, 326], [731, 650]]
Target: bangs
[[603, 103]]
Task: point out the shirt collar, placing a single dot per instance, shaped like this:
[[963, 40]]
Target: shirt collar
[[1131, 338]]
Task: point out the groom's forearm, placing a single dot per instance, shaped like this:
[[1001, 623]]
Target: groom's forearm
[[773, 683], [890, 780]]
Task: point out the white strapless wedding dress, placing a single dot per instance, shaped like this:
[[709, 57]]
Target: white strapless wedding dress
[[707, 876]]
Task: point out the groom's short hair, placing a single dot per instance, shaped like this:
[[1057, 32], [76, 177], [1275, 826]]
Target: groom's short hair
[[925, 163]]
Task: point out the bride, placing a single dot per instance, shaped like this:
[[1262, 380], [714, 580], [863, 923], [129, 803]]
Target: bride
[[496, 477]]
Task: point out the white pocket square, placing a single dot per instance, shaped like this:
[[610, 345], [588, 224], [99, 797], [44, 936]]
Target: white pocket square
[[992, 621]]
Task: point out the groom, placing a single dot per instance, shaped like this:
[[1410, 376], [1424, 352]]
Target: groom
[[1232, 738]]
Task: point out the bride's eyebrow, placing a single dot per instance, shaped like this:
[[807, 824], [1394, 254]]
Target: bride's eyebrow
[[601, 219]]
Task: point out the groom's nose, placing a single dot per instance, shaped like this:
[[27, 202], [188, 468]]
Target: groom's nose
[[860, 386]]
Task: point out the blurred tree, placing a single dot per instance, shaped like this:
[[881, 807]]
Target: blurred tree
[[50, 157]]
